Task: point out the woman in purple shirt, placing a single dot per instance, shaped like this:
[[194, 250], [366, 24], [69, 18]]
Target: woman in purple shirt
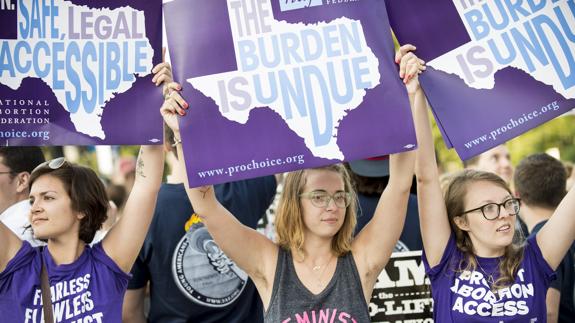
[[68, 205], [479, 269]]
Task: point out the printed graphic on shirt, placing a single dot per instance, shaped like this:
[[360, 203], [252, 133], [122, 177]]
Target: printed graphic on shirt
[[402, 292], [71, 302], [323, 315], [473, 297], [400, 246], [202, 271]]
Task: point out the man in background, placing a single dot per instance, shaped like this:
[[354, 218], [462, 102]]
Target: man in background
[[190, 278], [16, 165], [540, 183]]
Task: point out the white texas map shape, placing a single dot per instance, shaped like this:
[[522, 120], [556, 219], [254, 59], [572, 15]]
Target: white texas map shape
[[127, 19], [346, 63], [534, 59]]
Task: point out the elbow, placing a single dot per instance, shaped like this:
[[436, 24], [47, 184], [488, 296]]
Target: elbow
[[426, 176], [423, 180]]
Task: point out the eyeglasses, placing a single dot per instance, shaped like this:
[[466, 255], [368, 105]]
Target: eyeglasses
[[491, 211], [8, 172], [52, 164], [321, 199]]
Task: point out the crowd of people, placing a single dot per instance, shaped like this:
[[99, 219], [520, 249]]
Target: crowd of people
[[179, 254]]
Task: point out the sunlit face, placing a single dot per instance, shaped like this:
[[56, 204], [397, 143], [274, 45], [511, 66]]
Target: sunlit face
[[489, 237], [8, 187], [327, 221], [51, 214], [498, 161]]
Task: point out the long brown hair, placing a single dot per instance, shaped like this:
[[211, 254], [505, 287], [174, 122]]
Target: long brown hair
[[289, 221], [454, 202]]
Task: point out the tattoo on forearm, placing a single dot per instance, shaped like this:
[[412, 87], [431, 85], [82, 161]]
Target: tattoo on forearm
[[140, 166]]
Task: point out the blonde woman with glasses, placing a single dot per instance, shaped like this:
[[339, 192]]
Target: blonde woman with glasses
[[316, 270]]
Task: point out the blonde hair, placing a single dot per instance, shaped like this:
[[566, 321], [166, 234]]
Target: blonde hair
[[289, 220], [454, 202]]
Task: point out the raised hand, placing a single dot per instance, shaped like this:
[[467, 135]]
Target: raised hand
[[410, 66], [174, 103]]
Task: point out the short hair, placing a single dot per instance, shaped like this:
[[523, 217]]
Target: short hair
[[21, 159], [87, 193], [540, 180], [289, 219]]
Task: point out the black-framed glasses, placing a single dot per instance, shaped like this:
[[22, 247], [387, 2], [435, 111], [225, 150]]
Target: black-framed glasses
[[52, 164], [321, 199], [491, 211]]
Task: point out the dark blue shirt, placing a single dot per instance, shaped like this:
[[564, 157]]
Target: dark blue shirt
[[410, 236], [191, 279]]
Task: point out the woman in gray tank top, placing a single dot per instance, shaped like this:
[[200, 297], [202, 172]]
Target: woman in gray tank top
[[316, 271]]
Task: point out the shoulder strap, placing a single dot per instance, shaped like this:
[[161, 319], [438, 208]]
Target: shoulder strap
[[46, 297]]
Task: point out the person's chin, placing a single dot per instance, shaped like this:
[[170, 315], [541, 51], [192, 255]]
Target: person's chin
[[504, 242], [40, 234]]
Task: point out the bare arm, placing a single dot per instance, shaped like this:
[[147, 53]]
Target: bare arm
[[250, 250], [10, 244], [557, 235], [124, 240], [553, 300], [435, 229], [133, 307], [375, 243]]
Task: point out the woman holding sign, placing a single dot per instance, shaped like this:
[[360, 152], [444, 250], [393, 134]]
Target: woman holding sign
[[317, 269], [479, 269], [82, 283]]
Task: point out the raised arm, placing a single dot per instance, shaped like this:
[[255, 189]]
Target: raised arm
[[435, 229], [9, 245], [375, 243], [557, 235], [124, 240], [250, 250]]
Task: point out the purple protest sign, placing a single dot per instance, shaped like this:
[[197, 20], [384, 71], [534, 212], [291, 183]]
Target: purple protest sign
[[79, 72], [495, 68], [275, 86]]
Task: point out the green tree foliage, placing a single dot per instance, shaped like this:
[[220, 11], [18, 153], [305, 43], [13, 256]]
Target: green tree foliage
[[558, 133]]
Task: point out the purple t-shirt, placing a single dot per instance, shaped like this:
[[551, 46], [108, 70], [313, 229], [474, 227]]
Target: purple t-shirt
[[463, 296], [91, 289]]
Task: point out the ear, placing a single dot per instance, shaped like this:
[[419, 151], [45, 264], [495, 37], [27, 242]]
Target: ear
[[80, 215], [22, 179], [461, 223]]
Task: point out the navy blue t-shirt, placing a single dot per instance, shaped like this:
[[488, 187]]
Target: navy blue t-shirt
[[191, 279], [410, 236]]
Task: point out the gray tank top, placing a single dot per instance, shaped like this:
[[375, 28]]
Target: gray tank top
[[341, 301]]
